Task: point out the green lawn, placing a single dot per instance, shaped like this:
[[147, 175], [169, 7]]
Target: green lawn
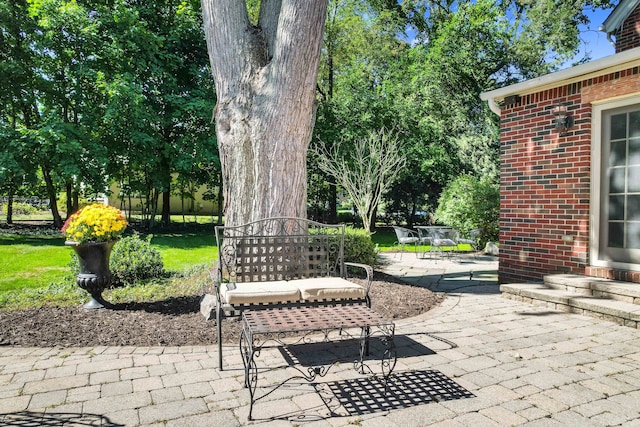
[[182, 251], [34, 261], [37, 261]]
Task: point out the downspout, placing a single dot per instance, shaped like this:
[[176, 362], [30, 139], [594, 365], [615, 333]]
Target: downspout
[[493, 106], [609, 39]]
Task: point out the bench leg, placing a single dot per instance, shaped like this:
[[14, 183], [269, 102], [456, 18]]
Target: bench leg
[[219, 330], [248, 352]]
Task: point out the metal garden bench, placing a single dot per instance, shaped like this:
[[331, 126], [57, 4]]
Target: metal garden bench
[[280, 263]]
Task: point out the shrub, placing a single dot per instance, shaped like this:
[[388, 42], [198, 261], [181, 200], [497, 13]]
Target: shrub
[[20, 208], [346, 217], [468, 203], [358, 246], [134, 259]]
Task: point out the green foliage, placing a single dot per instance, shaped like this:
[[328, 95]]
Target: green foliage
[[347, 217], [429, 90], [92, 91], [468, 203], [21, 209], [67, 293], [358, 246], [43, 271], [134, 260]]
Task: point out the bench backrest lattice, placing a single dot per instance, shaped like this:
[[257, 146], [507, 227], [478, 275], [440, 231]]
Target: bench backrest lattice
[[280, 249]]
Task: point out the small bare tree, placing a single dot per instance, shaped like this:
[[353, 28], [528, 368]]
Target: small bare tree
[[364, 170]]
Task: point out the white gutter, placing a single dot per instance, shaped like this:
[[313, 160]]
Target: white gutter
[[617, 17], [620, 61]]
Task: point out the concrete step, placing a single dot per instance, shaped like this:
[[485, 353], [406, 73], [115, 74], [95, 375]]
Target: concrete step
[[593, 286], [620, 312]]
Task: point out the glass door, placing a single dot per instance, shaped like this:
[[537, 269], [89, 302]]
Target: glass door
[[620, 197]]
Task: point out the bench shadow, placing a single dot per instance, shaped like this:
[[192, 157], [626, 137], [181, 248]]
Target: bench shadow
[[370, 395], [325, 353], [37, 419]]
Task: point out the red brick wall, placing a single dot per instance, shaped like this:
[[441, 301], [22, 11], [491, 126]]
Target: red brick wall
[[545, 179], [628, 36]]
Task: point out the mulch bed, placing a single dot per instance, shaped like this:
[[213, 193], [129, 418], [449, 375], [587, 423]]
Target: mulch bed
[[172, 322]]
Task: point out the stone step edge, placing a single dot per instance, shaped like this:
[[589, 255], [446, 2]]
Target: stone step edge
[[619, 312], [594, 286]]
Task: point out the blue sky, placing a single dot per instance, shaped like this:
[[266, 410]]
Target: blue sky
[[595, 41]]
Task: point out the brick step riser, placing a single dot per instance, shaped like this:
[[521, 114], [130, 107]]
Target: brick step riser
[[598, 290], [570, 309]]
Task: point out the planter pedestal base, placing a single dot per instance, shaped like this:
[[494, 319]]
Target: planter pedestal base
[[95, 275]]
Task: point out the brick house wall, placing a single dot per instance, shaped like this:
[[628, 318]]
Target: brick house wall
[[628, 36], [546, 178]]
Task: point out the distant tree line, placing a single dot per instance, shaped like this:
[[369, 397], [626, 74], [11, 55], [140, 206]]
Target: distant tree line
[[95, 92]]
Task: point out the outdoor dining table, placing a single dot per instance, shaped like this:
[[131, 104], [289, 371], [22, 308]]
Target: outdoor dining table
[[430, 233]]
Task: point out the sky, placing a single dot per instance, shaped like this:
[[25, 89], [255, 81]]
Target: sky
[[595, 41]]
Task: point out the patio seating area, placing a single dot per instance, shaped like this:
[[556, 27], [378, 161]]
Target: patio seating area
[[430, 240], [478, 359]]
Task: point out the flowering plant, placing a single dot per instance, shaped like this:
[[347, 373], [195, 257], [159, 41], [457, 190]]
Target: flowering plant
[[94, 223]]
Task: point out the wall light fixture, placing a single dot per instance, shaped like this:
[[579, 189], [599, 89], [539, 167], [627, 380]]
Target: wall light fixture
[[563, 121]]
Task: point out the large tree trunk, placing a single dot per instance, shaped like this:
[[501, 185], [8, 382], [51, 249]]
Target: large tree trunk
[[265, 78]]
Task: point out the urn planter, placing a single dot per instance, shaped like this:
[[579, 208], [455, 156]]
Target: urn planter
[[94, 276]]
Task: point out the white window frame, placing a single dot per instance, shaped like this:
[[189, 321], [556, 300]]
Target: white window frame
[[598, 108]]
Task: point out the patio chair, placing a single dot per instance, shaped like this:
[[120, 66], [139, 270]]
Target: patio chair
[[424, 237], [471, 238], [441, 238], [406, 236]]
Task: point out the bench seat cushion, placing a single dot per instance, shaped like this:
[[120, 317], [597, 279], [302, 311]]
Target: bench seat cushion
[[320, 288], [260, 292]]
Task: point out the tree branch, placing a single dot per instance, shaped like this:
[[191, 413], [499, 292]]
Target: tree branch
[[268, 22], [231, 40], [299, 36]]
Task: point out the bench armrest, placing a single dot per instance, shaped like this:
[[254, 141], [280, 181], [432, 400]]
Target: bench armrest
[[216, 278], [369, 271]]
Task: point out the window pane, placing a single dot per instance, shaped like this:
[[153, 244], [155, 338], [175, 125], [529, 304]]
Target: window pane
[[616, 235], [634, 124], [616, 180], [634, 180], [634, 151], [618, 155], [633, 235], [616, 208], [633, 208], [619, 126]]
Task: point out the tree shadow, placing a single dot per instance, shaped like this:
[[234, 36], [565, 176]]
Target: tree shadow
[[174, 306]]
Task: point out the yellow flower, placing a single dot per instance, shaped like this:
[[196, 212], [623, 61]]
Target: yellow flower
[[95, 223]]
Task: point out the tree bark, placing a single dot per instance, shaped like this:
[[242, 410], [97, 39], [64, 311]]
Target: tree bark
[[69, 189], [166, 207], [10, 206], [52, 193], [265, 79]]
